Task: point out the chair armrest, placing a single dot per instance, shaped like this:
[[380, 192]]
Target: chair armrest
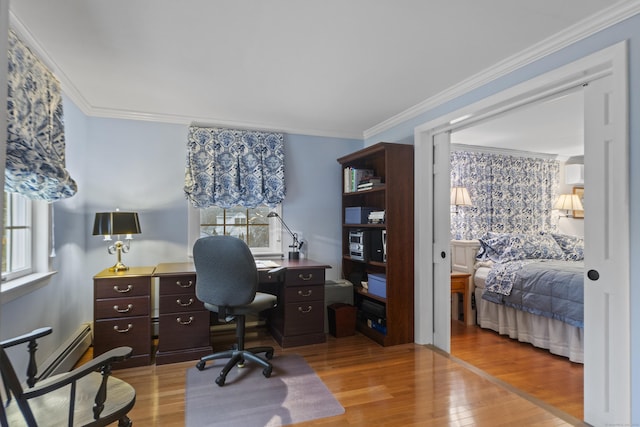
[[97, 364], [33, 335]]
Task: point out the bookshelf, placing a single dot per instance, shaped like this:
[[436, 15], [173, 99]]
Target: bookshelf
[[392, 322]]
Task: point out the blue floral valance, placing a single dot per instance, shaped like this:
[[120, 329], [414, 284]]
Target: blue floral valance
[[228, 167], [35, 165], [510, 194]]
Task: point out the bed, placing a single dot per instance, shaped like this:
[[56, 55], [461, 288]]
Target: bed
[[528, 287]]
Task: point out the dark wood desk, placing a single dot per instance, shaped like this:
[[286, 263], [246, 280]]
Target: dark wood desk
[[122, 314], [184, 322]]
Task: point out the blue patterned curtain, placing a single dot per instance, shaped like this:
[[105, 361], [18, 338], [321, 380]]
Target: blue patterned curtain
[[509, 193], [227, 168], [35, 165]]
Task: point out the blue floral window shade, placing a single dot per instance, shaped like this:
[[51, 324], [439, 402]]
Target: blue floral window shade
[[35, 165], [228, 167]]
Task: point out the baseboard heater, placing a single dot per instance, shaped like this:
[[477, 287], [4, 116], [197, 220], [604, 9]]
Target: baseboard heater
[[68, 354]]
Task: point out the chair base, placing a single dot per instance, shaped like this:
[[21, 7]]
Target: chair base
[[238, 357]]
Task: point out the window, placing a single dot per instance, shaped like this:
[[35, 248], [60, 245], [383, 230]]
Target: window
[[251, 225], [26, 246], [16, 240]]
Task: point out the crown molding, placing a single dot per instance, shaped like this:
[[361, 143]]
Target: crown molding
[[70, 90], [589, 26]]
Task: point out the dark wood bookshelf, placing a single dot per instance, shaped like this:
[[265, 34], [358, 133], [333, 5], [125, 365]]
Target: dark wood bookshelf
[[394, 164]]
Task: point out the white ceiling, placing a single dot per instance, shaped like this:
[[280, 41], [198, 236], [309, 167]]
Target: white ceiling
[[330, 67], [555, 126]]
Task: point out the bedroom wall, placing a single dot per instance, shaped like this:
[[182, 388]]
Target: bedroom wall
[[626, 30]]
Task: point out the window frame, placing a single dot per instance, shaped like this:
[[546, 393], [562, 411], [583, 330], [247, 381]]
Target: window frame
[[41, 254], [275, 234]]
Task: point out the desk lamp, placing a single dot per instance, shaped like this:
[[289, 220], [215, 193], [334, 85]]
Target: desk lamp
[[117, 223], [296, 245]]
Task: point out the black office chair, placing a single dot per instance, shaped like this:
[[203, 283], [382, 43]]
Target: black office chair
[[227, 283]]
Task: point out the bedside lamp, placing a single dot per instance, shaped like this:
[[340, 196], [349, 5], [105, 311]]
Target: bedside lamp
[[296, 245], [460, 197], [117, 223], [568, 202]]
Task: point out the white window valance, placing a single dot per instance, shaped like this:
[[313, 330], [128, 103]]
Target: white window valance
[[35, 165], [230, 167]]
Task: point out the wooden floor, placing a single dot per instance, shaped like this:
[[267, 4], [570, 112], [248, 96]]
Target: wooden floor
[[555, 380], [408, 385]]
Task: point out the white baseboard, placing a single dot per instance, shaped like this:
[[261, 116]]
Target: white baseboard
[[68, 354]]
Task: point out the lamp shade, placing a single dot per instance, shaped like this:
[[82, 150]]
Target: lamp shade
[[568, 202], [460, 197], [114, 223]]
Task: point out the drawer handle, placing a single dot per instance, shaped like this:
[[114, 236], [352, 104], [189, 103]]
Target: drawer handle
[[182, 304], [302, 310], [122, 331], [305, 294], [188, 322], [122, 291], [186, 285], [305, 278], [123, 310]]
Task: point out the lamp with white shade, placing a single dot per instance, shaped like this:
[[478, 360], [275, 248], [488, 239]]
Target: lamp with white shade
[[460, 197], [568, 202]]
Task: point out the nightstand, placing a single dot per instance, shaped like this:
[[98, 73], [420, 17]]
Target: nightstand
[[460, 284]]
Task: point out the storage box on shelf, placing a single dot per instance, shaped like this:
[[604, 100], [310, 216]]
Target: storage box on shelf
[[388, 250]]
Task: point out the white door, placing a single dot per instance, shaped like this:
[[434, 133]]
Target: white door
[[441, 240], [607, 386]]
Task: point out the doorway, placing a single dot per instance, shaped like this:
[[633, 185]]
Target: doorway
[[607, 386]]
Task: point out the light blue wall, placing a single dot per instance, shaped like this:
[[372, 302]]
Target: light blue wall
[[627, 30], [138, 165]]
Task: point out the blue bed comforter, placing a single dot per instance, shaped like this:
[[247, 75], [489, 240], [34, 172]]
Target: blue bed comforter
[[549, 288]]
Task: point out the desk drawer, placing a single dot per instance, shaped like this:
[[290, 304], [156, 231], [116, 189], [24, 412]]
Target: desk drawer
[[178, 285], [122, 287], [121, 307], [134, 332], [304, 317], [307, 276], [180, 303], [304, 293], [184, 330]]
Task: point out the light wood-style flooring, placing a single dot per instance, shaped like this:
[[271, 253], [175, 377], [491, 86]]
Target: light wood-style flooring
[[405, 385]]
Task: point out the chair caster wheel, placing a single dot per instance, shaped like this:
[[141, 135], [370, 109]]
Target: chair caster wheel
[[220, 381], [269, 355], [267, 372], [200, 365]]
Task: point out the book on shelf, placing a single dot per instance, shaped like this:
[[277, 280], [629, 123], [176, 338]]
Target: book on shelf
[[353, 177], [362, 187]]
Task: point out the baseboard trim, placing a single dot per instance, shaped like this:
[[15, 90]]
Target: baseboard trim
[[68, 354]]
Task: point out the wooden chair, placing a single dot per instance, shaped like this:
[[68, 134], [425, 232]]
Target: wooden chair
[[86, 396]]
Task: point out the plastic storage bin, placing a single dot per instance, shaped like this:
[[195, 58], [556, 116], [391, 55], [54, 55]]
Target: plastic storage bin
[[378, 285]]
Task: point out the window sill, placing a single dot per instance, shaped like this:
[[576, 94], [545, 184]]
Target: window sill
[[23, 285]]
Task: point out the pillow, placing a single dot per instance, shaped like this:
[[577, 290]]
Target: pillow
[[572, 246], [518, 246], [536, 246]]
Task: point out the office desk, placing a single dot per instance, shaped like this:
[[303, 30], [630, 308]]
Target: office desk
[[183, 332]]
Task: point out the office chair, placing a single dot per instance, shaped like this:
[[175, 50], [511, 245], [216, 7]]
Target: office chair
[[227, 283]]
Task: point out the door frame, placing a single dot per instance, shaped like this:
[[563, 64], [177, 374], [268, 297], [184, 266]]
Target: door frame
[[429, 323]]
